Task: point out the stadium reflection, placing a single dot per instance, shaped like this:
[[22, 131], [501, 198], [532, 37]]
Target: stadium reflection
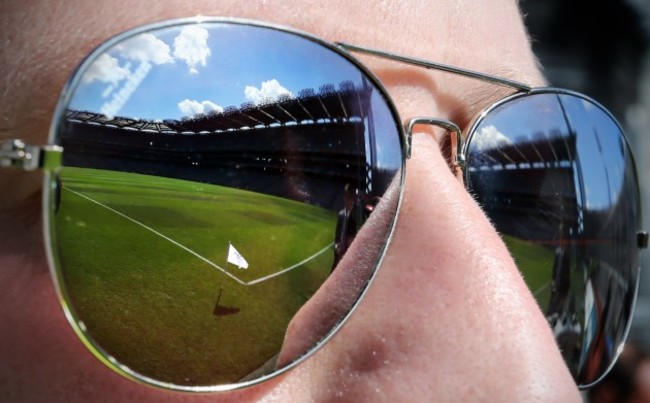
[[542, 186], [190, 234]]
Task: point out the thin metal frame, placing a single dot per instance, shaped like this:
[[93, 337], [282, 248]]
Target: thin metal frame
[[14, 153], [641, 236]]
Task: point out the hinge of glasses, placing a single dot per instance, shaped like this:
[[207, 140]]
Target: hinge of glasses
[[16, 153]]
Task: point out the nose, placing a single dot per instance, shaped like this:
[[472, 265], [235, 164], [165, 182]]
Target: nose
[[448, 307]]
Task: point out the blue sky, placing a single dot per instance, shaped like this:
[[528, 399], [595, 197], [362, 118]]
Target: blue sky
[[179, 71], [600, 145]]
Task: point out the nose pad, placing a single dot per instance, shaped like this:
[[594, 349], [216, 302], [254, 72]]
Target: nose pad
[[457, 160]]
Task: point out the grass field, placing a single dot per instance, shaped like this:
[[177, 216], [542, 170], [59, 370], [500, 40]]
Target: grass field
[[536, 265], [144, 262]]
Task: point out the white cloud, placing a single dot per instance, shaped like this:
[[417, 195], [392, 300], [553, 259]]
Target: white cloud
[[145, 48], [190, 107], [490, 138], [270, 90], [191, 47], [106, 69]]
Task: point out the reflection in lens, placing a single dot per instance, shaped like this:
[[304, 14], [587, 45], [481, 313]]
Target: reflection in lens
[[555, 175], [189, 232]]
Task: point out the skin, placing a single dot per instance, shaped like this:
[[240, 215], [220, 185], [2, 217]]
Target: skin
[[448, 316], [642, 380]]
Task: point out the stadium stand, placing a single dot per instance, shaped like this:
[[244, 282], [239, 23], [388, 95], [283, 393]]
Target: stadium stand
[[305, 148]]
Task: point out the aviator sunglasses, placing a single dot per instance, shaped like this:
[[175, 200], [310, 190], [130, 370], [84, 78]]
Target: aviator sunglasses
[[205, 179]]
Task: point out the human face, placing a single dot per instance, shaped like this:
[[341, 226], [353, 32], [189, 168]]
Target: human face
[[448, 314]]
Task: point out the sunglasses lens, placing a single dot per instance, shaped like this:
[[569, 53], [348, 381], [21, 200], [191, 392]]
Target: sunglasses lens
[[554, 173], [188, 232]]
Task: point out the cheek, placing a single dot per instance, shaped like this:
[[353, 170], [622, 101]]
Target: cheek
[[42, 358], [36, 343]]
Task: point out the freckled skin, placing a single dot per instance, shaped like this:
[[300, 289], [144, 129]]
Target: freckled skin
[[448, 317]]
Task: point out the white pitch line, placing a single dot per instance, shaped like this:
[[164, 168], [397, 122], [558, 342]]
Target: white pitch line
[[185, 248], [542, 288], [253, 282], [320, 252]]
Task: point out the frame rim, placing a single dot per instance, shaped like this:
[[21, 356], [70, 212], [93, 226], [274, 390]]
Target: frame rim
[[48, 226]]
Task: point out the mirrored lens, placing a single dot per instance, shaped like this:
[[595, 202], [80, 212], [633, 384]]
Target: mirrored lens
[[554, 173], [214, 177]]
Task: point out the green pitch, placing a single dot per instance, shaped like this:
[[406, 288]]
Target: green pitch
[[144, 265], [535, 262]]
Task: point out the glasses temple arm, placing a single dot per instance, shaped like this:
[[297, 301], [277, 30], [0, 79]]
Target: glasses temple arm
[[436, 66], [16, 153]]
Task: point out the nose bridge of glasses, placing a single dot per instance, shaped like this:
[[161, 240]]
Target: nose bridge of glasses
[[457, 157]]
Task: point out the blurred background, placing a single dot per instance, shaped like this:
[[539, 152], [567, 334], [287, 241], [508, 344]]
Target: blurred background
[[602, 48]]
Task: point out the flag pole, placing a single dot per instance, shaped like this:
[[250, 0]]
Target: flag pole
[[216, 306]]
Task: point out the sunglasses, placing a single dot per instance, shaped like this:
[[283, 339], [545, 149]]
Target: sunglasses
[[205, 180]]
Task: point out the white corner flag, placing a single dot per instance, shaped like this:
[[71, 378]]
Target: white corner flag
[[236, 258]]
